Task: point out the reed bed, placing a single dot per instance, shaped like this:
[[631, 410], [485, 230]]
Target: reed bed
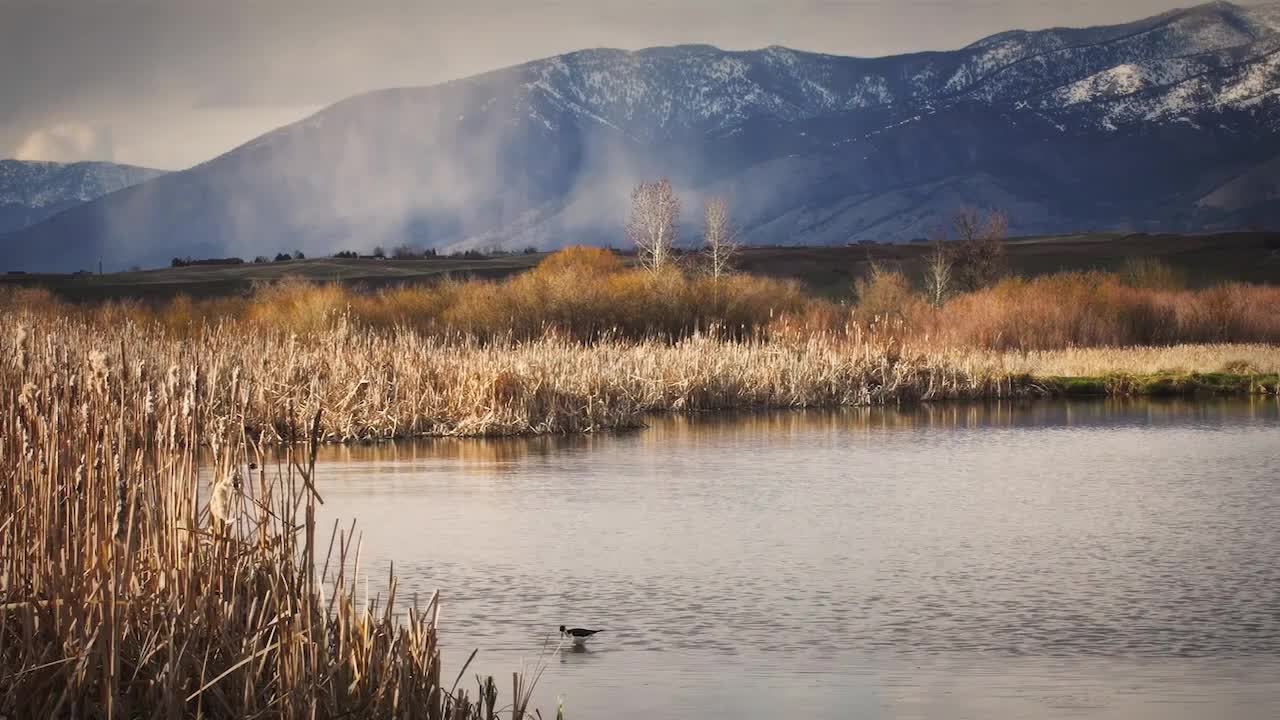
[[374, 385], [128, 590], [368, 384]]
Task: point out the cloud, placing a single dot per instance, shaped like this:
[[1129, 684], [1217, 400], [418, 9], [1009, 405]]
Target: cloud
[[67, 142]]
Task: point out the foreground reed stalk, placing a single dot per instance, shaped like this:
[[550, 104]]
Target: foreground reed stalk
[[130, 589]]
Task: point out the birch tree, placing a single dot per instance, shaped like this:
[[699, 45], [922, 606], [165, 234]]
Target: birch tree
[[937, 274], [720, 237], [654, 223]]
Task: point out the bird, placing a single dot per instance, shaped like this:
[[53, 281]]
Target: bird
[[579, 636]]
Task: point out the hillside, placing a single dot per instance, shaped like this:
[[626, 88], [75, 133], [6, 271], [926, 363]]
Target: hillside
[[1166, 124]]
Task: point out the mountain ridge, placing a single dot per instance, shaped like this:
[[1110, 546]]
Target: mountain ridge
[[33, 190]]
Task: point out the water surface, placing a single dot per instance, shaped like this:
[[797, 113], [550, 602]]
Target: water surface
[[1112, 559]]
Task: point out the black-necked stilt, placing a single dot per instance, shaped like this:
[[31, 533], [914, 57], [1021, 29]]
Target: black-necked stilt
[[579, 636]]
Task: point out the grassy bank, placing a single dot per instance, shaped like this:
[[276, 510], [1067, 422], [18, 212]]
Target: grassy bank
[[1161, 384]]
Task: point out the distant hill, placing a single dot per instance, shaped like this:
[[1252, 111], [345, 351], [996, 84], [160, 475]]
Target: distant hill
[[1165, 124], [32, 191]]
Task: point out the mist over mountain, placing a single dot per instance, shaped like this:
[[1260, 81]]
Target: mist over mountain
[[31, 191], [1168, 123]]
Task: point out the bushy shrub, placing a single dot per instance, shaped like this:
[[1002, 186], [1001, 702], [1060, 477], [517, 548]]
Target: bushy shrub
[[590, 293], [886, 295], [1099, 309], [1152, 274]]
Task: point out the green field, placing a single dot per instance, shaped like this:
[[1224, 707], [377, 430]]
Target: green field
[[1203, 259]]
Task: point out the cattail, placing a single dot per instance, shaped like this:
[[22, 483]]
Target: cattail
[[98, 370], [27, 398], [20, 346], [221, 504], [122, 510]]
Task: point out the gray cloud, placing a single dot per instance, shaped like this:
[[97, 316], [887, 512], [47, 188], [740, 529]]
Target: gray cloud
[[169, 83]]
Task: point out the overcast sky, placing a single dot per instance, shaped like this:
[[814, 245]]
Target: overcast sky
[[169, 83]]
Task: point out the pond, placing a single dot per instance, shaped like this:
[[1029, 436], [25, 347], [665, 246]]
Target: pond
[[1113, 559]]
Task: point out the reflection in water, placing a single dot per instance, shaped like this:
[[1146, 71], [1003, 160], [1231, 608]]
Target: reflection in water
[[484, 453], [1091, 559]]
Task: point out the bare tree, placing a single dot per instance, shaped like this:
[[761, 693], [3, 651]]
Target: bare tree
[[720, 236], [654, 223], [978, 259], [937, 274]]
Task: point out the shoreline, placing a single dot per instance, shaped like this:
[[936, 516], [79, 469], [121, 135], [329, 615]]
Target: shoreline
[[1163, 385], [1116, 386]]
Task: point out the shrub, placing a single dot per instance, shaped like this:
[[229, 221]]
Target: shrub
[[589, 294], [580, 259], [885, 295], [1152, 274]]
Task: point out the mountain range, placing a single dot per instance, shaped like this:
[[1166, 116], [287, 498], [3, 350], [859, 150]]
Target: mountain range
[[31, 191], [1168, 123]]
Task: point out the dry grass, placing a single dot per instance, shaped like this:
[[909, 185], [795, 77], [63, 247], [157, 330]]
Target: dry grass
[[1241, 359], [129, 590], [369, 384]]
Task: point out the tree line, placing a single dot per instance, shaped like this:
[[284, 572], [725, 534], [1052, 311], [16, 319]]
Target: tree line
[[652, 229]]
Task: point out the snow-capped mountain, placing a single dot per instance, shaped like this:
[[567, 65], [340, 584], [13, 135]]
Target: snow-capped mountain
[[1165, 123], [32, 191]]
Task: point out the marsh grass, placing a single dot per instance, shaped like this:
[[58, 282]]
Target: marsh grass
[[129, 590], [368, 384]]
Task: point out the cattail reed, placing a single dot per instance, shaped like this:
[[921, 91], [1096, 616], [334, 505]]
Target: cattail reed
[[128, 590]]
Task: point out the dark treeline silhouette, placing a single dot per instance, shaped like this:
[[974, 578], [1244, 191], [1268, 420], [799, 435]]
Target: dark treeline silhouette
[[189, 261]]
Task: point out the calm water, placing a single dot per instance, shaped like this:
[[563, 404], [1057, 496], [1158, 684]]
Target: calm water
[[1108, 559]]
